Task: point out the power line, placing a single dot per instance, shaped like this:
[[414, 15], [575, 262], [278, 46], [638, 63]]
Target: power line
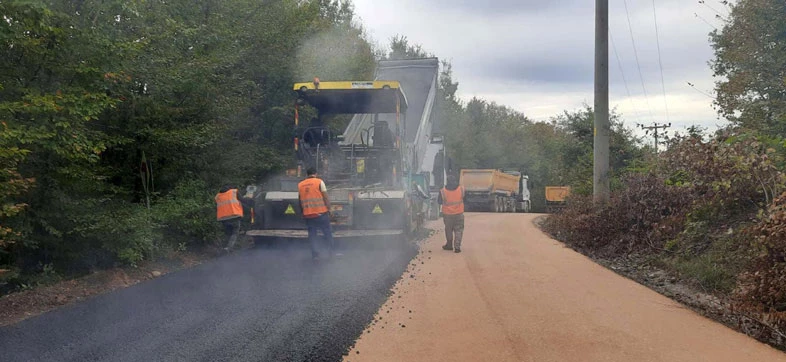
[[660, 61], [705, 21], [638, 64], [624, 79], [699, 90], [719, 15]]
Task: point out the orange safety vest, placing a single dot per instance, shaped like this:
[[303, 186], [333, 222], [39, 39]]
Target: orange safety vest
[[228, 206], [311, 198], [453, 201]]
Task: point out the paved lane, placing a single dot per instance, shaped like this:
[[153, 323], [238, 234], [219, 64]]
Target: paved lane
[[257, 305]]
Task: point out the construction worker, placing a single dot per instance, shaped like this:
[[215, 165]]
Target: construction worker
[[229, 211], [451, 197], [315, 204]]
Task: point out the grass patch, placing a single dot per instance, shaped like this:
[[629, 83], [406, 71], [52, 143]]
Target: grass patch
[[709, 271]]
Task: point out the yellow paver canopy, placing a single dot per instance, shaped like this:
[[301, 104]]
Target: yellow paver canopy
[[353, 97]]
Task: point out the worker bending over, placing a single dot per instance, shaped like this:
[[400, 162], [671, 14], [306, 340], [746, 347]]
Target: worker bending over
[[229, 212]]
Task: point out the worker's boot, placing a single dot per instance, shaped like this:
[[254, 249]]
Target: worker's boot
[[448, 246], [457, 249]]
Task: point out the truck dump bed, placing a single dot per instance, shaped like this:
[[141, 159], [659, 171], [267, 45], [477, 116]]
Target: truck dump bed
[[418, 78], [557, 193], [492, 181]]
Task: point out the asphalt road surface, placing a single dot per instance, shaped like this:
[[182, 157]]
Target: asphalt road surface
[[256, 305], [514, 294]]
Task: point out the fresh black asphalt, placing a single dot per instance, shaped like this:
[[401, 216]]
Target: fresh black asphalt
[[264, 304]]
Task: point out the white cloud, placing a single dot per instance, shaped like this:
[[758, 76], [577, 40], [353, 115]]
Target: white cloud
[[537, 57]]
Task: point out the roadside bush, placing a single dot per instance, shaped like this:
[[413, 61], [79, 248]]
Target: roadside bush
[[731, 175], [642, 215], [129, 232], [187, 214], [94, 233], [691, 202], [762, 288]]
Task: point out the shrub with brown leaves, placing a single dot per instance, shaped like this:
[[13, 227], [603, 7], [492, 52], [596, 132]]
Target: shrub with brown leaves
[[762, 288], [642, 215]]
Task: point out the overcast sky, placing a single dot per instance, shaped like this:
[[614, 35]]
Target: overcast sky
[[536, 56]]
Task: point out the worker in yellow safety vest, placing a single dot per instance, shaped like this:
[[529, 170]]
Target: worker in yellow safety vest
[[229, 212], [451, 197], [315, 204]]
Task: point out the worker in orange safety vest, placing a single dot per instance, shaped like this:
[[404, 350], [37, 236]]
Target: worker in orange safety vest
[[229, 212], [451, 197], [315, 204]]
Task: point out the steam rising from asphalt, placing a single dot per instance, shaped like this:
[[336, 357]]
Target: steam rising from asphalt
[[334, 54]]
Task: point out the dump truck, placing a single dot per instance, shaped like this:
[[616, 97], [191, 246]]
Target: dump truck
[[556, 198], [494, 190], [372, 168]]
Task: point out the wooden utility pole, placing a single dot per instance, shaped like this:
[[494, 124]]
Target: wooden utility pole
[[600, 180], [654, 129]]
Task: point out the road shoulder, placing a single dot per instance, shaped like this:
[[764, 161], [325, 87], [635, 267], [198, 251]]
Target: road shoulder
[[515, 294]]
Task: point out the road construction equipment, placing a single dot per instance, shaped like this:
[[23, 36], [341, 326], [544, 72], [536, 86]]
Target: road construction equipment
[[495, 191], [370, 170]]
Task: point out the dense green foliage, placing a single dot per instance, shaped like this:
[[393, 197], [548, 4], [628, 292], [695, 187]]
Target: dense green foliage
[[194, 93]]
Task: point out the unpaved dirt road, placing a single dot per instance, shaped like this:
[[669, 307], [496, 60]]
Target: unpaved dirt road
[[516, 295]]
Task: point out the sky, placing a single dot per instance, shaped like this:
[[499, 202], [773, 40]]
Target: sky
[[537, 56]]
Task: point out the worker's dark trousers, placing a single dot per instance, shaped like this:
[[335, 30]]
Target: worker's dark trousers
[[321, 222], [454, 229], [231, 229]]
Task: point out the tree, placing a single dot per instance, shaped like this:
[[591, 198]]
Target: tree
[[400, 48], [201, 90], [52, 96], [624, 147], [750, 60]]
